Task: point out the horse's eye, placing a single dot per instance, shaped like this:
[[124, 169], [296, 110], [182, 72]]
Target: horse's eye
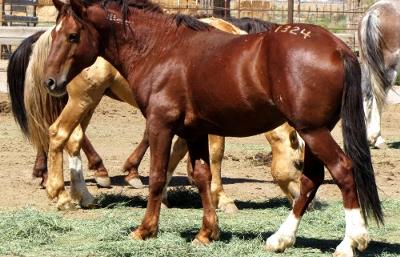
[[73, 38]]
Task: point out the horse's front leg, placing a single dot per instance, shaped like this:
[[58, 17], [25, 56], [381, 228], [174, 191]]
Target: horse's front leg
[[132, 163], [200, 161], [79, 191], [160, 138], [220, 199], [59, 133]]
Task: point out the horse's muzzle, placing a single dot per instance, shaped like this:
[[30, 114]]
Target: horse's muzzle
[[54, 88]]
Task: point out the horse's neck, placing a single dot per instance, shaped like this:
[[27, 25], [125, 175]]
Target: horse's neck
[[145, 33]]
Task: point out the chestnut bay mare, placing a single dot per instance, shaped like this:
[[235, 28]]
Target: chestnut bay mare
[[34, 110], [379, 38], [228, 85]]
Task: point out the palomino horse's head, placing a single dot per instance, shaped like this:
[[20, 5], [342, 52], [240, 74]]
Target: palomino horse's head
[[75, 44]]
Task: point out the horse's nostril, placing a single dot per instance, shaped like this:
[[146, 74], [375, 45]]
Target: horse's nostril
[[50, 83]]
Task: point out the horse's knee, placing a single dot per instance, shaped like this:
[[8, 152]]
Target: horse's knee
[[57, 138], [157, 183]]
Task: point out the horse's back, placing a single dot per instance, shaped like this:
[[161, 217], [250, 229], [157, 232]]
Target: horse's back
[[279, 73]]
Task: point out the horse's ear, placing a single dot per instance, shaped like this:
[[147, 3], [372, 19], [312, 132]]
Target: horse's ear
[[79, 7], [58, 4]]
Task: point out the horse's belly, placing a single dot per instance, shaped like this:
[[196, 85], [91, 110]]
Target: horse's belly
[[236, 123]]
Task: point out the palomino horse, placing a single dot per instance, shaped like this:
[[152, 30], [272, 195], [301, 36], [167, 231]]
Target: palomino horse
[[190, 79], [379, 38], [39, 109], [35, 110]]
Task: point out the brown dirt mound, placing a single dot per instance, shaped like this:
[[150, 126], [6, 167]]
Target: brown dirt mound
[[5, 107]]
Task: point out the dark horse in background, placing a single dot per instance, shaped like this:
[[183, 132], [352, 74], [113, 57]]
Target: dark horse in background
[[192, 80]]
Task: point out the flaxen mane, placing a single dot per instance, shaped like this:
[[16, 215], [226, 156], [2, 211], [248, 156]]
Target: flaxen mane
[[16, 80], [41, 108]]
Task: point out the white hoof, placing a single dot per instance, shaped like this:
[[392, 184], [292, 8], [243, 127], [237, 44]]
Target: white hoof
[[136, 183], [380, 143], [279, 242], [343, 250], [361, 242], [103, 181]]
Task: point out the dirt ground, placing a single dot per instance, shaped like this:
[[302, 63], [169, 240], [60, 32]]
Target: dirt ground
[[115, 131]]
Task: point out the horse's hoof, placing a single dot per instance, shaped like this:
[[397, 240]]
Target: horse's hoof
[[139, 234], [229, 208], [66, 206], [136, 235], [87, 202], [103, 181], [343, 250], [135, 183], [201, 241], [279, 242], [380, 143]]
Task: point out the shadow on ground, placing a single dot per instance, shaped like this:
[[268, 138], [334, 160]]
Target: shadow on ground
[[187, 198], [324, 245], [394, 145]]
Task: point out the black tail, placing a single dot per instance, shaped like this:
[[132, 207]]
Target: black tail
[[16, 79], [355, 141]]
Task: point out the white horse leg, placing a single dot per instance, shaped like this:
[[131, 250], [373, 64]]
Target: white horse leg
[[285, 236], [356, 235], [78, 190], [374, 125]]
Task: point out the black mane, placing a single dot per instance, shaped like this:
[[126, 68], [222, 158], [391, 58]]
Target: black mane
[[251, 25], [147, 5]]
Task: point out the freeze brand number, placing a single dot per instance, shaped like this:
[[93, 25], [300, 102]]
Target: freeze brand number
[[297, 31]]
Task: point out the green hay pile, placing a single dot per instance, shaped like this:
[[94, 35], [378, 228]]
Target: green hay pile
[[105, 231]]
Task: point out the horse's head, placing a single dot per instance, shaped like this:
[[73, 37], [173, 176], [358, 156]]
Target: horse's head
[[75, 44]]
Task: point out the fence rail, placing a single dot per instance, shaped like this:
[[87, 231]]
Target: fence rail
[[340, 17]]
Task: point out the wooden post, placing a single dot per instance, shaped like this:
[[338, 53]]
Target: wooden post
[[1, 12], [290, 11]]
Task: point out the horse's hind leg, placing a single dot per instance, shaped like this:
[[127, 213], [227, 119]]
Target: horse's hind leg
[[79, 191], [199, 157], [373, 120], [311, 179], [132, 163], [95, 163], [321, 144], [40, 167], [219, 197]]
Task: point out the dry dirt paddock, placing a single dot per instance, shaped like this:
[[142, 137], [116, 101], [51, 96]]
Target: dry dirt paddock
[[115, 131]]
